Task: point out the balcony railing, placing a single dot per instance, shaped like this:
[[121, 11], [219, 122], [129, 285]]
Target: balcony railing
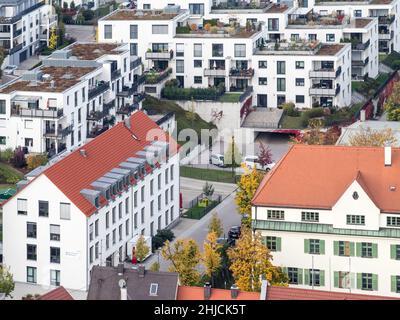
[[96, 131], [16, 48], [96, 115], [359, 63], [135, 63], [359, 46], [17, 33], [36, 113], [115, 74], [61, 133], [241, 73], [128, 91], [318, 91], [99, 89], [153, 55], [214, 72], [127, 109], [386, 36], [386, 20], [152, 77], [109, 105], [22, 13]]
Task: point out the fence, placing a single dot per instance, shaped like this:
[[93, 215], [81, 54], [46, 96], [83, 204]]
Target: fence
[[196, 211], [207, 174]]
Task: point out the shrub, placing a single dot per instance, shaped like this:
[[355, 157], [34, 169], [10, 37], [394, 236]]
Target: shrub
[[315, 112], [6, 155], [159, 239], [183, 29], [18, 159], [7, 176], [290, 110], [88, 15], [34, 161]]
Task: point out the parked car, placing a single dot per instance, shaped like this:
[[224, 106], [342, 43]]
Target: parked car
[[9, 70], [234, 232], [217, 160], [250, 161]]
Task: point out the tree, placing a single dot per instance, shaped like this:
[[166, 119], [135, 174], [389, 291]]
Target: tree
[[155, 267], [315, 136], [142, 249], [18, 159], [34, 161], [247, 187], [72, 5], [392, 104], [184, 254], [211, 257], [65, 5], [208, 190], [53, 39], [232, 155], [251, 260], [61, 33], [373, 138], [264, 155], [190, 114], [215, 225], [6, 281]]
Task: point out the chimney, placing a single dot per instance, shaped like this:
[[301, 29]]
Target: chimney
[[207, 291], [234, 291], [388, 156], [120, 269], [264, 290], [141, 270], [83, 153], [127, 123], [362, 116]]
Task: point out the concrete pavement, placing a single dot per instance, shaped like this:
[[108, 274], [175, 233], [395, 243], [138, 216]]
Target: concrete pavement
[[80, 32]]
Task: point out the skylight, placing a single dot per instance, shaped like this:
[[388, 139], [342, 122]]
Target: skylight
[[153, 289]]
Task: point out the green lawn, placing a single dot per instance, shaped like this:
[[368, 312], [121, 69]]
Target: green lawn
[[230, 97], [292, 122], [9, 176], [392, 60], [207, 174]]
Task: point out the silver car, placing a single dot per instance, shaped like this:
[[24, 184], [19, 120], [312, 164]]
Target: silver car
[[9, 70]]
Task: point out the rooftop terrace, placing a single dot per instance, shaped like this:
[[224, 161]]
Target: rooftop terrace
[[352, 2], [93, 51], [299, 48], [133, 14], [261, 6]]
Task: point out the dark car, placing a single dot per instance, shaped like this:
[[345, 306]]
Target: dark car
[[234, 232]]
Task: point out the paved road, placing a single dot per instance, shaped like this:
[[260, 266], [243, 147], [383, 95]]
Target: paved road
[[81, 33]]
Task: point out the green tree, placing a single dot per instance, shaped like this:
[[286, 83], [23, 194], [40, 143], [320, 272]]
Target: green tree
[[142, 249], [155, 267], [215, 225], [6, 281]]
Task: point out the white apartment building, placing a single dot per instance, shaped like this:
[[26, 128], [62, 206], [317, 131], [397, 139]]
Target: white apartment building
[[24, 26], [76, 94], [307, 74], [119, 185], [330, 216]]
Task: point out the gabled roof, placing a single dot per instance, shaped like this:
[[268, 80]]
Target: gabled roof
[[197, 293], [57, 294], [315, 177], [104, 153]]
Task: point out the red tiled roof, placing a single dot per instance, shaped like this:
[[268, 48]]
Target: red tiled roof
[[197, 293], [316, 176], [57, 294]]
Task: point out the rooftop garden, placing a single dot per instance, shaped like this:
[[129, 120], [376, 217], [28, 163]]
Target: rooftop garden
[[312, 19], [369, 86], [171, 91], [235, 5], [302, 45], [155, 76]]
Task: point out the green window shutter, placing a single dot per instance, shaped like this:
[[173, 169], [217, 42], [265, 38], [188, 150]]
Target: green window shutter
[[375, 282], [358, 249], [336, 279], [351, 249], [322, 278], [278, 243], [336, 248], [375, 250], [300, 275], [393, 283], [306, 277], [359, 280], [392, 251], [352, 280], [321, 246], [285, 270], [306, 245]]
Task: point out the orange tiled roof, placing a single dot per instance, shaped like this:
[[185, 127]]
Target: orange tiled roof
[[57, 294], [316, 177], [197, 293]]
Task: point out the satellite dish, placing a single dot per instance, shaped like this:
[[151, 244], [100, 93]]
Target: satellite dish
[[122, 283]]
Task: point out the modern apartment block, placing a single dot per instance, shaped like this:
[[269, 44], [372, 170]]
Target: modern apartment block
[[307, 74], [24, 26], [78, 92], [335, 226], [115, 187]]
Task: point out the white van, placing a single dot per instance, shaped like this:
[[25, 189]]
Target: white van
[[217, 160], [250, 161]]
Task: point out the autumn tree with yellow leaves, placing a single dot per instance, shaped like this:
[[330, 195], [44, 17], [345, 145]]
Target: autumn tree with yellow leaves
[[373, 138], [215, 225], [184, 255], [211, 257], [142, 249], [53, 39], [251, 261]]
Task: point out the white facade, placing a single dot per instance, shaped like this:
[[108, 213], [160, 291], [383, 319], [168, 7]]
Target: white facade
[[61, 118]]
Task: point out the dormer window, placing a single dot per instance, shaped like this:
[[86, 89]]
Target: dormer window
[[120, 185], [136, 175], [115, 189]]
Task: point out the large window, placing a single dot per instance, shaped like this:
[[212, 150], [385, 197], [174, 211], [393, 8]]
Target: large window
[[281, 84], [299, 64], [107, 31], [31, 274], [294, 276], [133, 49], [262, 81], [159, 29], [133, 31], [367, 250], [43, 208], [197, 50], [315, 246], [31, 252], [55, 277], [315, 277], [273, 24], [217, 50], [330, 37], [54, 232], [366, 281], [393, 221], [273, 243], [280, 67], [262, 64], [196, 8], [31, 230], [54, 255], [197, 63], [276, 214], [355, 219], [180, 66], [299, 82], [240, 50], [180, 50]]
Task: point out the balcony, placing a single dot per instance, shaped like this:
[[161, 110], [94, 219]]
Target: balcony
[[16, 48], [17, 33], [115, 74], [154, 77], [36, 113], [386, 20], [386, 36], [128, 91], [165, 55], [50, 20], [241, 73], [22, 13], [109, 105], [214, 72], [96, 115], [61, 133], [99, 89], [127, 109], [359, 63], [321, 90], [136, 63], [359, 46]]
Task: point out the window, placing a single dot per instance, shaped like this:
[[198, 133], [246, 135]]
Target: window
[[276, 214], [197, 50], [294, 276], [281, 84], [342, 279], [315, 277], [114, 236], [395, 251], [366, 250], [240, 50], [107, 219], [355, 220], [196, 8], [262, 64], [91, 254], [180, 50], [312, 37], [159, 202], [55, 277], [31, 274], [2, 106], [343, 248], [107, 31], [120, 210], [135, 199], [299, 82], [133, 49], [152, 229], [22, 206], [151, 208], [393, 221], [146, 6], [31, 252], [31, 230], [217, 50], [171, 212], [54, 232], [330, 37], [166, 176], [166, 218], [107, 241], [262, 81], [299, 64], [159, 181], [171, 192], [2, 140], [197, 63], [65, 212], [43, 208], [310, 216], [357, 13], [171, 171], [133, 31], [127, 227], [273, 24], [273, 243], [28, 124], [83, 94], [159, 223], [180, 66], [280, 67], [142, 216], [366, 281], [54, 255], [114, 215], [96, 228], [198, 79], [299, 99], [120, 232], [135, 220], [315, 246], [142, 194], [159, 29]]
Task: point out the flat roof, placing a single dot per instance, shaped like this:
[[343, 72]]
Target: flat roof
[[63, 77], [133, 14], [277, 8], [93, 51], [329, 49], [360, 22]]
